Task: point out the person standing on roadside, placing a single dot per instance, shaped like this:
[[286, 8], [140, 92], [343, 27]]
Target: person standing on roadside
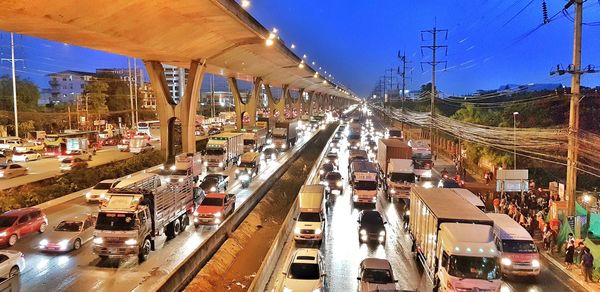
[[496, 204], [570, 254], [587, 264]]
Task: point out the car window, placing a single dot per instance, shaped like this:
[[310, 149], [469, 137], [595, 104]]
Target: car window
[[87, 223], [35, 214], [3, 258], [23, 219]]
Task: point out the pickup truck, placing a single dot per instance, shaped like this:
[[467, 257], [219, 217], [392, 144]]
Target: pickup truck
[[214, 209]]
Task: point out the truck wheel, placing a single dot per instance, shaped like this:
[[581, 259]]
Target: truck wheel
[[14, 271], [185, 221], [176, 227], [144, 250]]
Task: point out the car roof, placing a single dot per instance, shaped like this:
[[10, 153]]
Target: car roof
[[19, 212], [306, 255], [375, 263], [213, 175]]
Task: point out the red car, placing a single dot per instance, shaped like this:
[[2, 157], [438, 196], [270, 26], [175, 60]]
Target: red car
[[18, 223]]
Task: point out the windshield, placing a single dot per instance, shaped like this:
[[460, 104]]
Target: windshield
[[395, 133], [214, 151], [115, 221], [354, 136], [365, 185], [450, 184], [372, 219], [3, 166], [421, 156], [518, 246], [334, 176], [247, 164], [378, 276], [212, 202], [102, 186], [69, 226], [248, 142], [482, 268], [309, 217], [7, 221], [304, 271], [400, 177], [422, 164]]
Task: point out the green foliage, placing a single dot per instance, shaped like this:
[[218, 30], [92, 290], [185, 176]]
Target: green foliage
[[27, 94], [26, 127], [72, 181], [95, 92]]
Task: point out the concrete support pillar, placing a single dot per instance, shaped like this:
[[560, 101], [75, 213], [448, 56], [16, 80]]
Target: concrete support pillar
[[308, 106], [249, 106], [169, 111], [277, 105], [297, 104]]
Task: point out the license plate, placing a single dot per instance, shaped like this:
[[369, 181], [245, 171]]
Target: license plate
[[112, 250]]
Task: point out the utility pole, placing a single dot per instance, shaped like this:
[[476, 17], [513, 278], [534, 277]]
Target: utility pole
[[12, 60], [434, 32], [403, 75], [133, 124], [135, 88]]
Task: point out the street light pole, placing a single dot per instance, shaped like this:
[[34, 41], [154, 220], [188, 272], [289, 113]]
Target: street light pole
[[515, 139]]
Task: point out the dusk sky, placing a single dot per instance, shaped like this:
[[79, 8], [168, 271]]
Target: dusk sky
[[356, 41]]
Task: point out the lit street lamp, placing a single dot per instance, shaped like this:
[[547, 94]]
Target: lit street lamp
[[515, 140]]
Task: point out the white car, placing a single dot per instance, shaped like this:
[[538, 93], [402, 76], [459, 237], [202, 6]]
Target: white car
[[376, 275], [26, 156], [12, 170], [305, 272], [98, 192], [12, 262]]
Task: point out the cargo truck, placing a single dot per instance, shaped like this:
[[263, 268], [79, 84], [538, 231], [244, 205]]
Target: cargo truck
[[388, 149], [454, 241], [132, 218], [364, 180], [421, 155], [223, 149], [311, 214], [254, 139], [285, 134], [399, 179]]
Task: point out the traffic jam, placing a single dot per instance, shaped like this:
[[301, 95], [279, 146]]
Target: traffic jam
[[455, 244]]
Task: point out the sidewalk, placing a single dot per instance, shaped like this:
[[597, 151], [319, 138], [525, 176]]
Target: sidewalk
[[557, 259]]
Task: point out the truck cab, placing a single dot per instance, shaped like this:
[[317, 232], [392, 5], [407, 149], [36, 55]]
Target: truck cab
[[214, 209], [311, 214], [248, 167], [469, 258], [399, 179], [364, 180]]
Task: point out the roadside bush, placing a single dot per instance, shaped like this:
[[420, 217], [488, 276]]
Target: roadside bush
[[45, 190]]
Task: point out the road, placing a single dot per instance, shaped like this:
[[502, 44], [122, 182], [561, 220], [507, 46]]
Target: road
[[49, 167], [82, 270], [343, 253]]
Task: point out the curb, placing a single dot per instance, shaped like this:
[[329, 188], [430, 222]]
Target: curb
[[587, 285]]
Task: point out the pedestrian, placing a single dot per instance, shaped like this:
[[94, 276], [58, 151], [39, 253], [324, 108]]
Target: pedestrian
[[579, 253], [486, 176], [569, 254], [496, 204], [587, 264]]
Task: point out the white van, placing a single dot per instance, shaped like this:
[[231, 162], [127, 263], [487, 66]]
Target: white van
[[471, 198], [519, 254], [311, 216]]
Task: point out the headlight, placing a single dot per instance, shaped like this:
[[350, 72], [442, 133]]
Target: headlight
[[172, 167], [131, 241], [195, 213], [220, 164], [504, 289], [506, 262], [213, 189], [339, 184], [218, 214], [44, 242], [363, 232], [407, 213], [535, 263], [102, 195], [382, 233], [63, 244], [98, 240], [180, 180], [374, 199], [205, 163], [88, 194], [318, 231], [355, 198], [283, 146], [321, 171], [392, 191], [297, 230]]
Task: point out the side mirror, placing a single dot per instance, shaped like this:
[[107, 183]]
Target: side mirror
[[285, 273], [323, 275], [295, 219], [358, 278], [395, 281], [385, 222]]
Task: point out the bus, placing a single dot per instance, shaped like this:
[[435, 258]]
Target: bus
[[151, 128], [56, 144]]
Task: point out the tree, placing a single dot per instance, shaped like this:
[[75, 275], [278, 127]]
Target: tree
[[117, 92], [28, 94], [95, 92]]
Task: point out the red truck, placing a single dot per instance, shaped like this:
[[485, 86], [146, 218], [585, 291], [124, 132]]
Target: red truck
[[214, 209]]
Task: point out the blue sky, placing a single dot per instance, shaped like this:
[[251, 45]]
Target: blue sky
[[357, 40]]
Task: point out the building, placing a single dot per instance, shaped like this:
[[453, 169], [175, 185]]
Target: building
[[45, 96], [147, 97], [123, 73], [176, 80], [67, 86]]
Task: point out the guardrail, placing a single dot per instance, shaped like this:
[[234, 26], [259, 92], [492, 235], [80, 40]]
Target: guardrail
[[259, 283], [188, 268]]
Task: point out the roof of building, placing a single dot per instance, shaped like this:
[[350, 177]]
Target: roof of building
[[72, 72]]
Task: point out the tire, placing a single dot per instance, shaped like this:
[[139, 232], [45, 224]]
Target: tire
[[176, 227], [12, 240], [26, 159], [43, 227], [185, 221], [144, 250], [77, 244], [14, 271]]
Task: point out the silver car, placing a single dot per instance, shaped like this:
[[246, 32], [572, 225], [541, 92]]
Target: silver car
[[69, 234], [12, 170], [376, 275]]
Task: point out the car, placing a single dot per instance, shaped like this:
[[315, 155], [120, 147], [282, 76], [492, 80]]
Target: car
[[98, 192], [269, 153], [214, 183], [33, 146], [123, 145], [447, 182], [215, 130], [332, 157], [305, 272], [376, 275], [214, 209], [72, 163], [26, 156], [371, 227], [12, 170], [6, 157], [111, 141], [334, 182], [325, 169], [69, 234], [81, 154], [18, 223], [143, 148], [371, 145], [12, 262]]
